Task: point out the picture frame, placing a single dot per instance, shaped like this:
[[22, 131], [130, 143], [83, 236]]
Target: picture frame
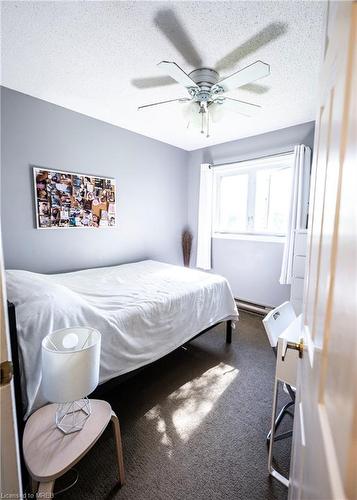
[[66, 200]]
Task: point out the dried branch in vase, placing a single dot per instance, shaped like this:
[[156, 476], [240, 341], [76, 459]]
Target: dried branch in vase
[[186, 246]]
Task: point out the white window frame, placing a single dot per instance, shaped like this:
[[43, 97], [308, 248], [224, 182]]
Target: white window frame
[[250, 167]]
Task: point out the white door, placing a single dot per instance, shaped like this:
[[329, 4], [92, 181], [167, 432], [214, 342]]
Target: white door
[[324, 457], [10, 483]]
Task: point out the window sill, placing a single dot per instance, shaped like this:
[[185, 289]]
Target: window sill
[[249, 237]]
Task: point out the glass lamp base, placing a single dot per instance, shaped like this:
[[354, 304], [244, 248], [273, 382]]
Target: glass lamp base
[[71, 417]]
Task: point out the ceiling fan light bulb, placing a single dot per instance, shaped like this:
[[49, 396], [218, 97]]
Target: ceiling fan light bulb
[[217, 112], [191, 114]]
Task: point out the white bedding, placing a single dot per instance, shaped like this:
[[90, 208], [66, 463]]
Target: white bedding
[[143, 311]]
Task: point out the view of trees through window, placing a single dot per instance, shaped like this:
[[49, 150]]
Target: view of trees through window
[[253, 200]]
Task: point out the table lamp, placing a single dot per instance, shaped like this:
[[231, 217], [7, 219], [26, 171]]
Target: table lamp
[[70, 371]]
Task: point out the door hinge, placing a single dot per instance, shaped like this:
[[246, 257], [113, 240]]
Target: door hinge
[[7, 372]]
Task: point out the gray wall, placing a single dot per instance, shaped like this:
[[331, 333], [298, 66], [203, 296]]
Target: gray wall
[[151, 186], [251, 267], [158, 189]]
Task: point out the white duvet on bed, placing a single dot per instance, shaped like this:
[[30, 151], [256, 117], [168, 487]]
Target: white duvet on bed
[[143, 311]]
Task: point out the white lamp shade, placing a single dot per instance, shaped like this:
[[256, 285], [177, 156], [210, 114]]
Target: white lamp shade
[[70, 363], [192, 115], [217, 112]]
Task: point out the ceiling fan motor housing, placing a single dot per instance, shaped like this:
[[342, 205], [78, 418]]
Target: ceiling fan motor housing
[[205, 78]]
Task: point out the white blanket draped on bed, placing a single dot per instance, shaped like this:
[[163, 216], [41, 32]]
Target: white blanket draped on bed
[[143, 311]]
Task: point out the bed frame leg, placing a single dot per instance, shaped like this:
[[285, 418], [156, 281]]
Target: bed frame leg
[[229, 332]]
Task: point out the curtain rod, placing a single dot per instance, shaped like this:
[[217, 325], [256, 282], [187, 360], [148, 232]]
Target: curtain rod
[[250, 159]]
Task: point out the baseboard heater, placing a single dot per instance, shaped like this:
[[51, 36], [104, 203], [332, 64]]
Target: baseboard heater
[[251, 307]]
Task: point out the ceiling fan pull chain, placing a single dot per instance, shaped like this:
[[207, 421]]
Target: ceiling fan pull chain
[[208, 124], [202, 122]]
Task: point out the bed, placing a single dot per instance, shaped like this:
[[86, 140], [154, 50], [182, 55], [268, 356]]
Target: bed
[[143, 310]]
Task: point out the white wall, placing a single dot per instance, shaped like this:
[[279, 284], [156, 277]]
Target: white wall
[[251, 267]]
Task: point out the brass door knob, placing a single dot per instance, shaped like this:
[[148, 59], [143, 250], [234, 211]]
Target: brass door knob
[[7, 372], [297, 346]]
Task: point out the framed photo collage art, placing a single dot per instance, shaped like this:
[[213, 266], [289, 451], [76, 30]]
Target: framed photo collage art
[[69, 200]]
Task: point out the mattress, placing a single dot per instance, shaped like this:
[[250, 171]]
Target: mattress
[[143, 310]]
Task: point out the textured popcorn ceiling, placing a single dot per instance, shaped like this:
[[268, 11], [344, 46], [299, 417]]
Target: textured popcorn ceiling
[[86, 56]]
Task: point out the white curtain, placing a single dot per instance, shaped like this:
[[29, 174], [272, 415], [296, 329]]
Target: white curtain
[[298, 207], [204, 232]]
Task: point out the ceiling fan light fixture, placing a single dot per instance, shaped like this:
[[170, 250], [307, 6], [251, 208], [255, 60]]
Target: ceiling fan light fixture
[[191, 114], [216, 111]]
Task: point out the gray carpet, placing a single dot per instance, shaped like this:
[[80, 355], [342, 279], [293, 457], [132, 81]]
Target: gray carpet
[[193, 425]]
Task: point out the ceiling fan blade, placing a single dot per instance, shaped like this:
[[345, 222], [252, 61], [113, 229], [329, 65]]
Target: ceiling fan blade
[[183, 99], [178, 74], [172, 28], [150, 82], [268, 34], [255, 88], [246, 75], [242, 107]]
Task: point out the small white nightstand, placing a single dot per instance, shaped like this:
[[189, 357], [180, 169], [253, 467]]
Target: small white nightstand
[[49, 453]]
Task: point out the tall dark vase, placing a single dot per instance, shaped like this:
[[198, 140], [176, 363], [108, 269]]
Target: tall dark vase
[[186, 246]]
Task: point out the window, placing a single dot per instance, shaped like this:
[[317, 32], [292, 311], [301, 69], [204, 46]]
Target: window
[[253, 197]]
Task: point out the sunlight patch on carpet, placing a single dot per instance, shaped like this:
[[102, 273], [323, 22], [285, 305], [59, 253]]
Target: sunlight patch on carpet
[[196, 399], [190, 404]]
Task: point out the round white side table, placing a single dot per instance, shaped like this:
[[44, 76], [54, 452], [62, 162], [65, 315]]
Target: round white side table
[[49, 453]]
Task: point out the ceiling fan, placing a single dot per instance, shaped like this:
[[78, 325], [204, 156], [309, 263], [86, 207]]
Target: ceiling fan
[[207, 92]]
